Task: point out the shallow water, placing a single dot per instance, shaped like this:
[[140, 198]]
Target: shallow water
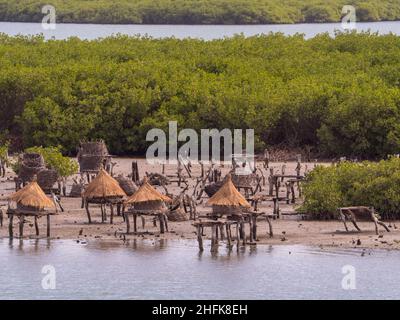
[[176, 270], [207, 32]]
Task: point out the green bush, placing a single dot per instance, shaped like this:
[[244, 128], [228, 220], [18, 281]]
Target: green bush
[[56, 161], [339, 95], [4, 152], [197, 11], [374, 184]]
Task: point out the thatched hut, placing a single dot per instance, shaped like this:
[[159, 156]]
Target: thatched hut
[[228, 200], [147, 201], [147, 198], [30, 201], [103, 190]]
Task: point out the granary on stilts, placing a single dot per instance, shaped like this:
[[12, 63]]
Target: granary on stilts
[[147, 201], [30, 201], [30, 164], [229, 207], [92, 157], [105, 191]]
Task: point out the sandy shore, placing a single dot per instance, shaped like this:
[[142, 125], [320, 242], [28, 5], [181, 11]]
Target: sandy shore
[[72, 224]]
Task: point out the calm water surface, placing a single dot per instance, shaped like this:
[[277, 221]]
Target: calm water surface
[[207, 32], [175, 270]]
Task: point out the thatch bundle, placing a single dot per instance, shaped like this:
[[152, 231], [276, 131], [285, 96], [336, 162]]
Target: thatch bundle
[[177, 215], [147, 198], [244, 180], [90, 163], [212, 188], [228, 199], [102, 187], [47, 178], [76, 190], [127, 185], [156, 179], [31, 197], [91, 155], [31, 164]]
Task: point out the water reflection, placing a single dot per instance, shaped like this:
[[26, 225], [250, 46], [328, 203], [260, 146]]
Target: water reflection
[[174, 269]]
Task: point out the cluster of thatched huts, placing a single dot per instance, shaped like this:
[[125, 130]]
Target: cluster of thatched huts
[[233, 199]]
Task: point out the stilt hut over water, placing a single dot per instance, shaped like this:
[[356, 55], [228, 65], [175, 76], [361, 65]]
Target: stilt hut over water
[[147, 201], [30, 201], [106, 191], [228, 200]]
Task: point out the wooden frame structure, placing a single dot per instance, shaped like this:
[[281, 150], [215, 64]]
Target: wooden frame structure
[[21, 214], [351, 213]]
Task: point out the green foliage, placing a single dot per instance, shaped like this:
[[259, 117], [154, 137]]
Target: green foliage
[[4, 151], [198, 11], [353, 184], [340, 95], [56, 161]]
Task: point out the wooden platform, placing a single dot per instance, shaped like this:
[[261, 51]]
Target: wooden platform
[[21, 215]]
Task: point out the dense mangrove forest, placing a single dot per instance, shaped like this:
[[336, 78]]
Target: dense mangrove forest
[[340, 96], [198, 11]]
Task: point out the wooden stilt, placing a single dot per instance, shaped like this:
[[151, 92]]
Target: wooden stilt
[[10, 226], [48, 226], [111, 214], [21, 226], [165, 222], [243, 234], [161, 220], [128, 226], [228, 236], [213, 238], [135, 223], [199, 238], [88, 212], [36, 226], [237, 236]]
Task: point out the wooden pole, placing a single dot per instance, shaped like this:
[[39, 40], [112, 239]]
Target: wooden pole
[[128, 226], [48, 226], [213, 238], [21, 226], [112, 214], [161, 219], [36, 226], [199, 238], [88, 212], [10, 226], [135, 222]]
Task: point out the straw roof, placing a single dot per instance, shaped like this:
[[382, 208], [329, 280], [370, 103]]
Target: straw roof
[[32, 196], [103, 186], [147, 193], [228, 196]]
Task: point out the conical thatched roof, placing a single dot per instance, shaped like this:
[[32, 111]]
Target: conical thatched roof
[[32, 196], [228, 196], [146, 193], [103, 186]]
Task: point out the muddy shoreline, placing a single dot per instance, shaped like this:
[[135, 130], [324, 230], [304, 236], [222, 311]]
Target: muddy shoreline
[[73, 225]]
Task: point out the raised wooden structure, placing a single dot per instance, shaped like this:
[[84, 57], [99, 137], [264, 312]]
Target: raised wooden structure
[[105, 191], [365, 213]]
